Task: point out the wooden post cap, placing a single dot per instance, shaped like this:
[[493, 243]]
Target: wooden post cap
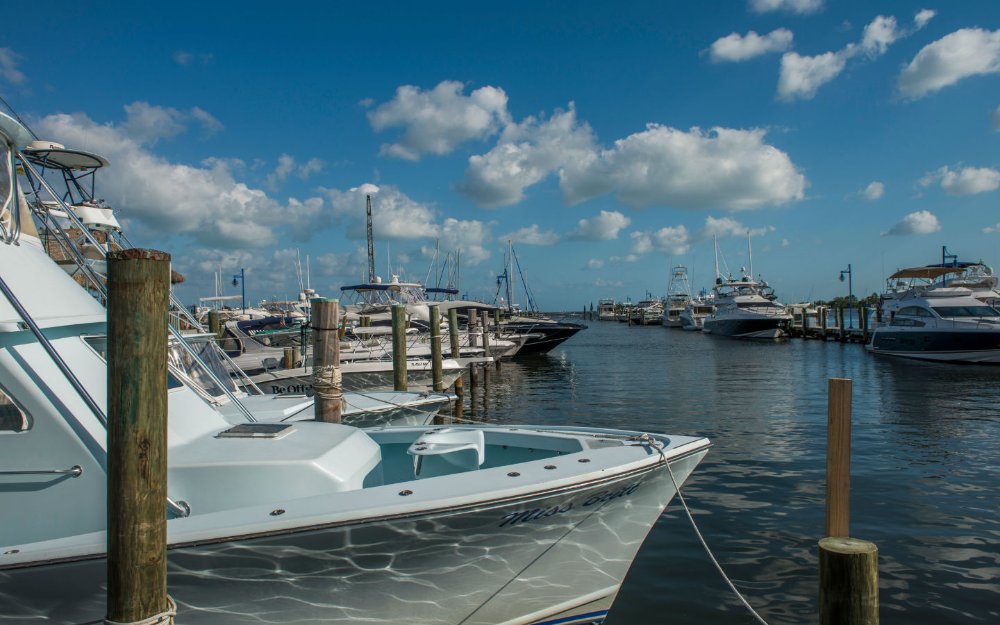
[[847, 546], [137, 253]]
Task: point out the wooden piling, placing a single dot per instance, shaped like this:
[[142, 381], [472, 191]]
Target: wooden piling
[[138, 295], [436, 373], [215, 323], [838, 457], [486, 333], [496, 319], [455, 347], [864, 325], [399, 347], [848, 567], [841, 330], [326, 382], [822, 321], [473, 342], [848, 582], [365, 320]]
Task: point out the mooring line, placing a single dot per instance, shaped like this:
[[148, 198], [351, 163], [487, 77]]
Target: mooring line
[[708, 550]]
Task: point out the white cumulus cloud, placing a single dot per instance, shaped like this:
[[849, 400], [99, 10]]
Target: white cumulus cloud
[[437, 121], [918, 222], [526, 154], [672, 240], [964, 181], [735, 47], [874, 190], [602, 227], [729, 227], [961, 54], [663, 166], [801, 76], [595, 263], [532, 235], [204, 202], [792, 6]]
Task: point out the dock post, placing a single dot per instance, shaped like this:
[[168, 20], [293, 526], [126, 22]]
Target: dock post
[[822, 321], [399, 347], [365, 320], [841, 333], [496, 328], [138, 294], [848, 591], [288, 358], [435, 319], [473, 342], [486, 334], [864, 325], [326, 381], [215, 323], [455, 349]]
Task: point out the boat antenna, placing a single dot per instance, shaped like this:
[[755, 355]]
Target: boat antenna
[[371, 240], [509, 270], [298, 268], [307, 271], [750, 254]]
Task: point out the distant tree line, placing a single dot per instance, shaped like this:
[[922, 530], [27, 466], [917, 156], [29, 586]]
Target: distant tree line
[[869, 302]]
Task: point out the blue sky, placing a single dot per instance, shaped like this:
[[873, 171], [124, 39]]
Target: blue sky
[[610, 142]]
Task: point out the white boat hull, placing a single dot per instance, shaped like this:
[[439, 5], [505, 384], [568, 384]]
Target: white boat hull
[[513, 561]]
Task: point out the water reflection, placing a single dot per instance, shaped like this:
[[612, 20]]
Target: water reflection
[[924, 471]]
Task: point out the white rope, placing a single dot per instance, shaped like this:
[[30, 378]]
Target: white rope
[[701, 538], [163, 618], [327, 384]]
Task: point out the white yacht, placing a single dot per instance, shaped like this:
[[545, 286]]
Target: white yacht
[[926, 321], [696, 311], [745, 307], [678, 296], [302, 522]]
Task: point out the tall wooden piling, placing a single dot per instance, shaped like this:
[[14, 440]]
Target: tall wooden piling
[[473, 342], [138, 295], [838, 457], [822, 321], [864, 324], [841, 330], [436, 373], [326, 380], [496, 319], [486, 333], [848, 566], [455, 347], [399, 347]]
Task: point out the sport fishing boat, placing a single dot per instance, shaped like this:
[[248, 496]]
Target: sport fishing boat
[[301, 522], [926, 321], [745, 307]]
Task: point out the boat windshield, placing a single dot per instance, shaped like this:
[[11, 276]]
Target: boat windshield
[[949, 312], [186, 364]]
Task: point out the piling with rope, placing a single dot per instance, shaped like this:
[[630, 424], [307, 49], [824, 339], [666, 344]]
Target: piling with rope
[[326, 379], [138, 296]]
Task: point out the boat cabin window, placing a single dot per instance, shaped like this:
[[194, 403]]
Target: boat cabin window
[[949, 312], [12, 418], [757, 305], [99, 343], [914, 311]]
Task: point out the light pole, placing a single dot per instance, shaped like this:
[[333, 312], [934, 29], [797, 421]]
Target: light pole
[[241, 280], [850, 291]]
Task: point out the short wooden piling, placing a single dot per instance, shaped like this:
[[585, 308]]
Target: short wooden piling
[[848, 567], [215, 323], [326, 380], [399, 347], [822, 321], [138, 294], [864, 324], [288, 358], [436, 373], [841, 330], [455, 347], [496, 319], [486, 333], [365, 320]]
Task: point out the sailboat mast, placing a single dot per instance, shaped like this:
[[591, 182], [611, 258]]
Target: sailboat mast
[[371, 240], [715, 240], [510, 275]]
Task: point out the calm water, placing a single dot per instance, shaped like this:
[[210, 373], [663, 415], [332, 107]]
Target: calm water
[[925, 472]]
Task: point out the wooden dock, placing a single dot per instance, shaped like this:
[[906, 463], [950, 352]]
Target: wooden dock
[[817, 324]]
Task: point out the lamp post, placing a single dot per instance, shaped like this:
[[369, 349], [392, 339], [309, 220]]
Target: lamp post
[[240, 280], [850, 291]]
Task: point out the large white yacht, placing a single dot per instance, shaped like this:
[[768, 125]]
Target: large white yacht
[[922, 319], [745, 307], [301, 522]]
